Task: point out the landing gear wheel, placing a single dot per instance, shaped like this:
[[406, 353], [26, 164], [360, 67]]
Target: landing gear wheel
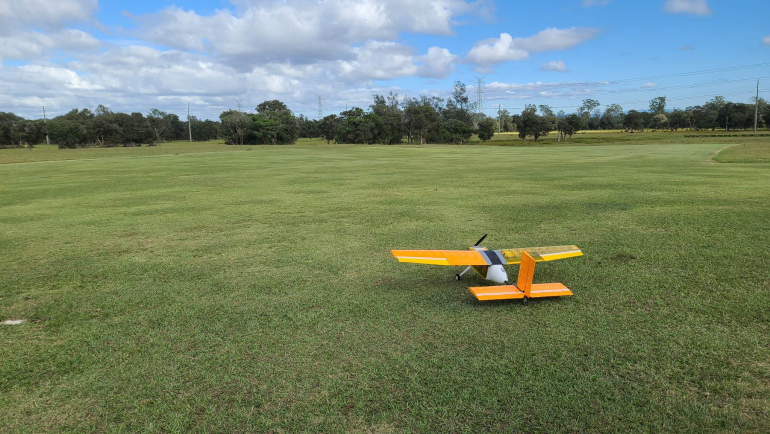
[[458, 277], [506, 283], [525, 300]]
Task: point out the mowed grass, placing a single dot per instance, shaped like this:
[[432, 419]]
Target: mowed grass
[[254, 292], [754, 152]]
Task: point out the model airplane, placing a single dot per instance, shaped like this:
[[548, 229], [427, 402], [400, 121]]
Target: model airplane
[[489, 265]]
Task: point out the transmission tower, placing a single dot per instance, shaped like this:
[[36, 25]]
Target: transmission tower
[[479, 94], [239, 103], [320, 106]]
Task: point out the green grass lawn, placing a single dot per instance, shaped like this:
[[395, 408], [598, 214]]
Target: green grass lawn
[[253, 291], [753, 152]]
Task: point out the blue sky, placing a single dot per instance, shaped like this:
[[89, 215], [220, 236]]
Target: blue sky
[[135, 55]]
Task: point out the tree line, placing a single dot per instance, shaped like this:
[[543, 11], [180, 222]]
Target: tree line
[[104, 128], [389, 120]]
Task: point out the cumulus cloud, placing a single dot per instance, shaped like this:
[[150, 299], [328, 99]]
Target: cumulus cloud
[[506, 48], [554, 65], [298, 30], [256, 50], [387, 60], [31, 45], [766, 40], [650, 85], [43, 13], [691, 7], [33, 28]]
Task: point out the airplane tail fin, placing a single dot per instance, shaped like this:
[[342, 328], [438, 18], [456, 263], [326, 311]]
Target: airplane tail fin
[[524, 287]]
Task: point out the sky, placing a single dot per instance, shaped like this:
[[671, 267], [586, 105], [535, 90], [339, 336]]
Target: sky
[[215, 55]]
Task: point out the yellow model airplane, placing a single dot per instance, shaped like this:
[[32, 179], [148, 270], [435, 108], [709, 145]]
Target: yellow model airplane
[[489, 265]]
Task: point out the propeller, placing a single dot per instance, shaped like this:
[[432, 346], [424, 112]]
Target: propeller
[[479, 241]]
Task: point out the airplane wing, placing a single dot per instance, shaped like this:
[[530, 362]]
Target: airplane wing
[[540, 254], [441, 257]]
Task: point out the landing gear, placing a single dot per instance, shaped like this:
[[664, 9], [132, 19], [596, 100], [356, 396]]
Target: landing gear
[[460, 276], [525, 300]]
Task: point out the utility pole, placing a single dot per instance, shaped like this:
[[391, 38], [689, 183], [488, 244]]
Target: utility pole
[[189, 125], [756, 109], [727, 121], [499, 119], [320, 106], [45, 122]]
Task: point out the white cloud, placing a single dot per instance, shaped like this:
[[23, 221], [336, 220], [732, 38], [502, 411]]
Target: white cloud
[[554, 65], [298, 30], [506, 48], [386, 60], [33, 28], [590, 3], [44, 13], [27, 45], [692, 7], [650, 85], [496, 50], [282, 49], [766, 40]]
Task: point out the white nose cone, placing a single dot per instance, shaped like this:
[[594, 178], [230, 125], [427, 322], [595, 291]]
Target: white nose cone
[[497, 274]]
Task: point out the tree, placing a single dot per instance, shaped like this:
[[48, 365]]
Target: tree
[[72, 130], [531, 124], [569, 126], [422, 122], [458, 106], [658, 105], [678, 119], [767, 116], [10, 129], [486, 129], [274, 124], [634, 120], [203, 130], [329, 127], [660, 121], [234, 127], [159, 123], [357, 127], [586, 110], [136, 130], [612, 119], [308, 128], [455, 131], [506, 120], [389, 128], [107, 132], [549, 116]]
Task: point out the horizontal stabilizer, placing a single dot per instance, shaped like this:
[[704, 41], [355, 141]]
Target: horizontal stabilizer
[[549, 290], [485, 293]]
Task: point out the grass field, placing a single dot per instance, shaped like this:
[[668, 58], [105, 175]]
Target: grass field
[[243, 291]]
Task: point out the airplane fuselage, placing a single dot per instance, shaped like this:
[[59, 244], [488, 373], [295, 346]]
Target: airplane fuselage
[[494, 270]]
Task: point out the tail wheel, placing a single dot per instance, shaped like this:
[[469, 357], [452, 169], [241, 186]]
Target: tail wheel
[[458, 277]]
